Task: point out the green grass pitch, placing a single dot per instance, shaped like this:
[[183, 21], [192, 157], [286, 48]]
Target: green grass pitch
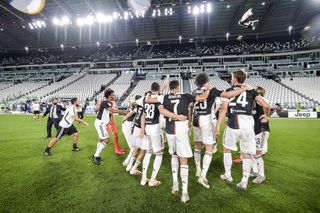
[[69, 182]]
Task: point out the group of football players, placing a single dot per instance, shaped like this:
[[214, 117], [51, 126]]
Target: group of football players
[[175, 113]]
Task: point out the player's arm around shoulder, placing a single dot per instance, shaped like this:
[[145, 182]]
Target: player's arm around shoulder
[[234, 93]]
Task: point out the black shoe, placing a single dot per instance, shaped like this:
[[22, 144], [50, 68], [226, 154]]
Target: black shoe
[[48, 136], [46, 153], [76, 149], [96, 160]]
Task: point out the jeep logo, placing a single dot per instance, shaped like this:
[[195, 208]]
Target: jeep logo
[[300, 114]]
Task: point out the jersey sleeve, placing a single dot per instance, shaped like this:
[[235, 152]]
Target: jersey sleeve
[[160, 99], [190, 98], [140, 101], [255, 93], [107, 105], [226, 99], [73, 111], [214, 92]]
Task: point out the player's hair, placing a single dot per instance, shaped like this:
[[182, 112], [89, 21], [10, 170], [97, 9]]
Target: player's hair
[[155, 86], [240, 75], [108, 92], [173, 84], [137, 97], [73, 100], [201, 79], [261, 91]]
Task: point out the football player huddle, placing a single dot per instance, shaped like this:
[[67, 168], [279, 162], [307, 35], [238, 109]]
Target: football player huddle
[[175, 114], [155, 116]]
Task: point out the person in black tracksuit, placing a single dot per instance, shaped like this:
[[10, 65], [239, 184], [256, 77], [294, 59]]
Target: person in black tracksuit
[[54, 112]]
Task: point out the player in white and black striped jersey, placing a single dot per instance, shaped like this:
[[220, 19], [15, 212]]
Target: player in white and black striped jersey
[[66, 127], [240, 127], [101, 122], [203, 129]]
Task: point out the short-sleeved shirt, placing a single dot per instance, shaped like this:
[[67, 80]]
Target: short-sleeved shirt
[[178, 104], [67, 119], [103, 112], [257, 113], [240, 107], [131, 118], [205, 107], [152, 112]]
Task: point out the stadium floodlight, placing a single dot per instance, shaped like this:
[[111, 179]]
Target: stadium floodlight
[[125, 15], [62, 46], [115, 15], [55, 21], [109, 19], [209, 8], [98, 44], [24, 27], [27, 49], [227, 36], [39, 24], [195, 10], [263, 3], [228, 6], [154, 13], [101, 18], [65, 20], [165, 11], [180, 38], [80, 22], [189, 9], [159, 12], [201, 8], [137, 41], [89, 20], [170, 11]]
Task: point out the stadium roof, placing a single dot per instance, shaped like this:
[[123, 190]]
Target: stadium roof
[[275, 16]]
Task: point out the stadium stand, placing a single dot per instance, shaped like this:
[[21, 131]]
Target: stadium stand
[[85, 87], [121, 85], [308, 86]]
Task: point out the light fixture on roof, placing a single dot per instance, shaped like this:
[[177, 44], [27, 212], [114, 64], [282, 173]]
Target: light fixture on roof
[[89, 20], [27, 49], [1, 29], [239, 37], [195, 10], [62, 46], [137, 42], [209, 8], [180, 39], [263, 3], [125, 15], [227, 36], [65, 20], [80, 22], [37, 24], [290, 29], [55, 21], [115, 15], [189, 9], [228, 6], [307, 28], [101, 18], [23, 27], [98, 44], [154, 13], [159, 12], [201, 8]]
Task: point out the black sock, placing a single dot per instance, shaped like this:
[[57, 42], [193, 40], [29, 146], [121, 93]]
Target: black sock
[[75, 145], [48, 149]]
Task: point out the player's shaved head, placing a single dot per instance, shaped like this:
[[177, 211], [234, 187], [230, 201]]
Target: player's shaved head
[[201, 79], [261, 91], [240, 76], [155, 87], [173, 84]]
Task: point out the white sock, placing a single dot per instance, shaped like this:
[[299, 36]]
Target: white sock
[[135, 166], [206, 164], [246, 169], [131, 162], [197, 159], [100, 147], [174, 168], [227, 161], [260, 163], [156, 165], [254, 165], [184, 173], [127, 160], [145, 164]]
